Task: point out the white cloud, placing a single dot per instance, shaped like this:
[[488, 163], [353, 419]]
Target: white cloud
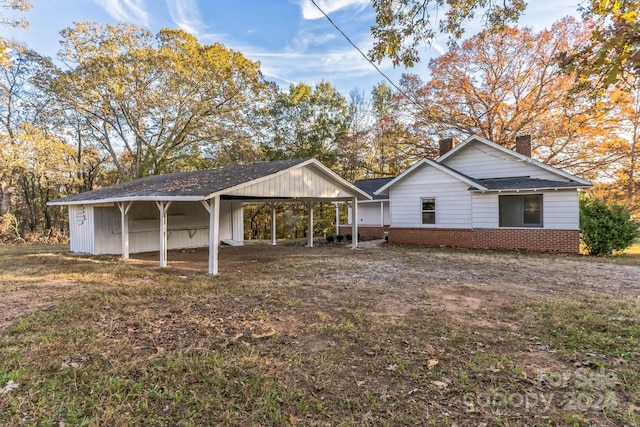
[[305, 39], [186, 15], [311, 12], [132, 11]]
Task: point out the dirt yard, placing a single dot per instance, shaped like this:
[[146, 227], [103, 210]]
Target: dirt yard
[[503, 312]]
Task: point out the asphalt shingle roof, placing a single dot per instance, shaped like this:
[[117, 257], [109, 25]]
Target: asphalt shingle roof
[[370, 186], [197, 184], [525, 183]]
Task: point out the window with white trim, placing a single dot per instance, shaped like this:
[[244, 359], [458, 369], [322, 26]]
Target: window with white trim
[[428, 210], [521, 210]]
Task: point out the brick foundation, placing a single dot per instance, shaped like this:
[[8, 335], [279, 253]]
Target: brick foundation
[[563, 241], [365, 232]]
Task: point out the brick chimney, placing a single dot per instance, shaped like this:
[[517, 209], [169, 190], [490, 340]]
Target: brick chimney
[[446, 144], [523, 145]]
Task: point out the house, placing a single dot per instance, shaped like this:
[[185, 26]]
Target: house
[[373, 215], [479, 194], [196, 209]]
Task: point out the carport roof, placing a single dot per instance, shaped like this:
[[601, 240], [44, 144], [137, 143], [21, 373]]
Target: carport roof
[[194, 186]]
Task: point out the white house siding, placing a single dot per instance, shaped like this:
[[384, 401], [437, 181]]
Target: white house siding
[[481, 161], [453, 200], [560, 209], [369, 214], [187, 224], [81, 228]]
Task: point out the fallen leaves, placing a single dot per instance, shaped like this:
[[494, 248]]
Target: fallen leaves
[[9, 386], [432, 363]]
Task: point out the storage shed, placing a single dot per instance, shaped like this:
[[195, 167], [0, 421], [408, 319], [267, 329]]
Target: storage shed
[[196, 209]]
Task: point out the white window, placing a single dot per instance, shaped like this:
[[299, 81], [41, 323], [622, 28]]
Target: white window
[[428, 210], [521, 211]]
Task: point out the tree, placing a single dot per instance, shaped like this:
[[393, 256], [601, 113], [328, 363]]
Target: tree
[[613, 52], [388, 135], [500, 85], [152, 102], [307, 122], [354, 148], [16, 5], [35, 163], [606, 227], [404, 25], [626, 98]]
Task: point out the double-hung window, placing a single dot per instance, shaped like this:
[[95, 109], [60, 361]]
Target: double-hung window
[[521, 210], [428, 210]]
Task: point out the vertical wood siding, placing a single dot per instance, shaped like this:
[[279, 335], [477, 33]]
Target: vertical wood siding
[[188, 225], [301, 182], [81, 228]]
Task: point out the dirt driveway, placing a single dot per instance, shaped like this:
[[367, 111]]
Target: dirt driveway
[[401, 278]]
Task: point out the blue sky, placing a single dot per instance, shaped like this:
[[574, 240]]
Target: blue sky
[[291, 39]]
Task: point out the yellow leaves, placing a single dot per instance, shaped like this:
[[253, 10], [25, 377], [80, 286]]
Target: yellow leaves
[[39, 154]]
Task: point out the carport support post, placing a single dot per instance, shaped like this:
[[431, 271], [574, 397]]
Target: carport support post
[[354, 223], [124, 221], [213, 207], [163, 207], [337, 218], [310, 226], [273, 224]]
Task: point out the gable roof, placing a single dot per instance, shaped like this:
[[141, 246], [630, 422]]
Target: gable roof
[[495, 184], [199, 185], [521, 157], [475, 184], [370, 186]]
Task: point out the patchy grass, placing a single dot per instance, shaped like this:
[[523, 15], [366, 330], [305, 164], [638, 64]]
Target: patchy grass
[[322, 336]]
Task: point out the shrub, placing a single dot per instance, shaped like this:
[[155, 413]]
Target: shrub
[[349, 237], [330, 238], [606, 227], [339, 237]]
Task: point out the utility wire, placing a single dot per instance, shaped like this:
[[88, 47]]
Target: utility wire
[[413, 101]]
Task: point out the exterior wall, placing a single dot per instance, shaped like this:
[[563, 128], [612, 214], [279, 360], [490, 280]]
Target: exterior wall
[[481, 161], [453, 200], [453, 237], [308, 181], [187, 224], [366, 232], [369, 214], [81, 229], [535, 240], [560, 209]]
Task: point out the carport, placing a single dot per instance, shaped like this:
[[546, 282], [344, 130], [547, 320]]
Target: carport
[[114, 219]]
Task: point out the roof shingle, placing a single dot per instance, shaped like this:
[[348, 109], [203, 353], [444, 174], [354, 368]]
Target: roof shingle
[[185, 184]]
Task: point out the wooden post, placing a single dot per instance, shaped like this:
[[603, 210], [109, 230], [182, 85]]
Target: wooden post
[[213, 207], [354, 223], [163, 207], [124, 227], [273, 224], [337, 218], [310, 226]]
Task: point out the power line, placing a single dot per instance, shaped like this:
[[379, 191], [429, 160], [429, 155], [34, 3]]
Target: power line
[[413, 101]]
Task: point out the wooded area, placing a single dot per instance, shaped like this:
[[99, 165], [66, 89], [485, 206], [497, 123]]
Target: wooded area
[[120, 103]]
